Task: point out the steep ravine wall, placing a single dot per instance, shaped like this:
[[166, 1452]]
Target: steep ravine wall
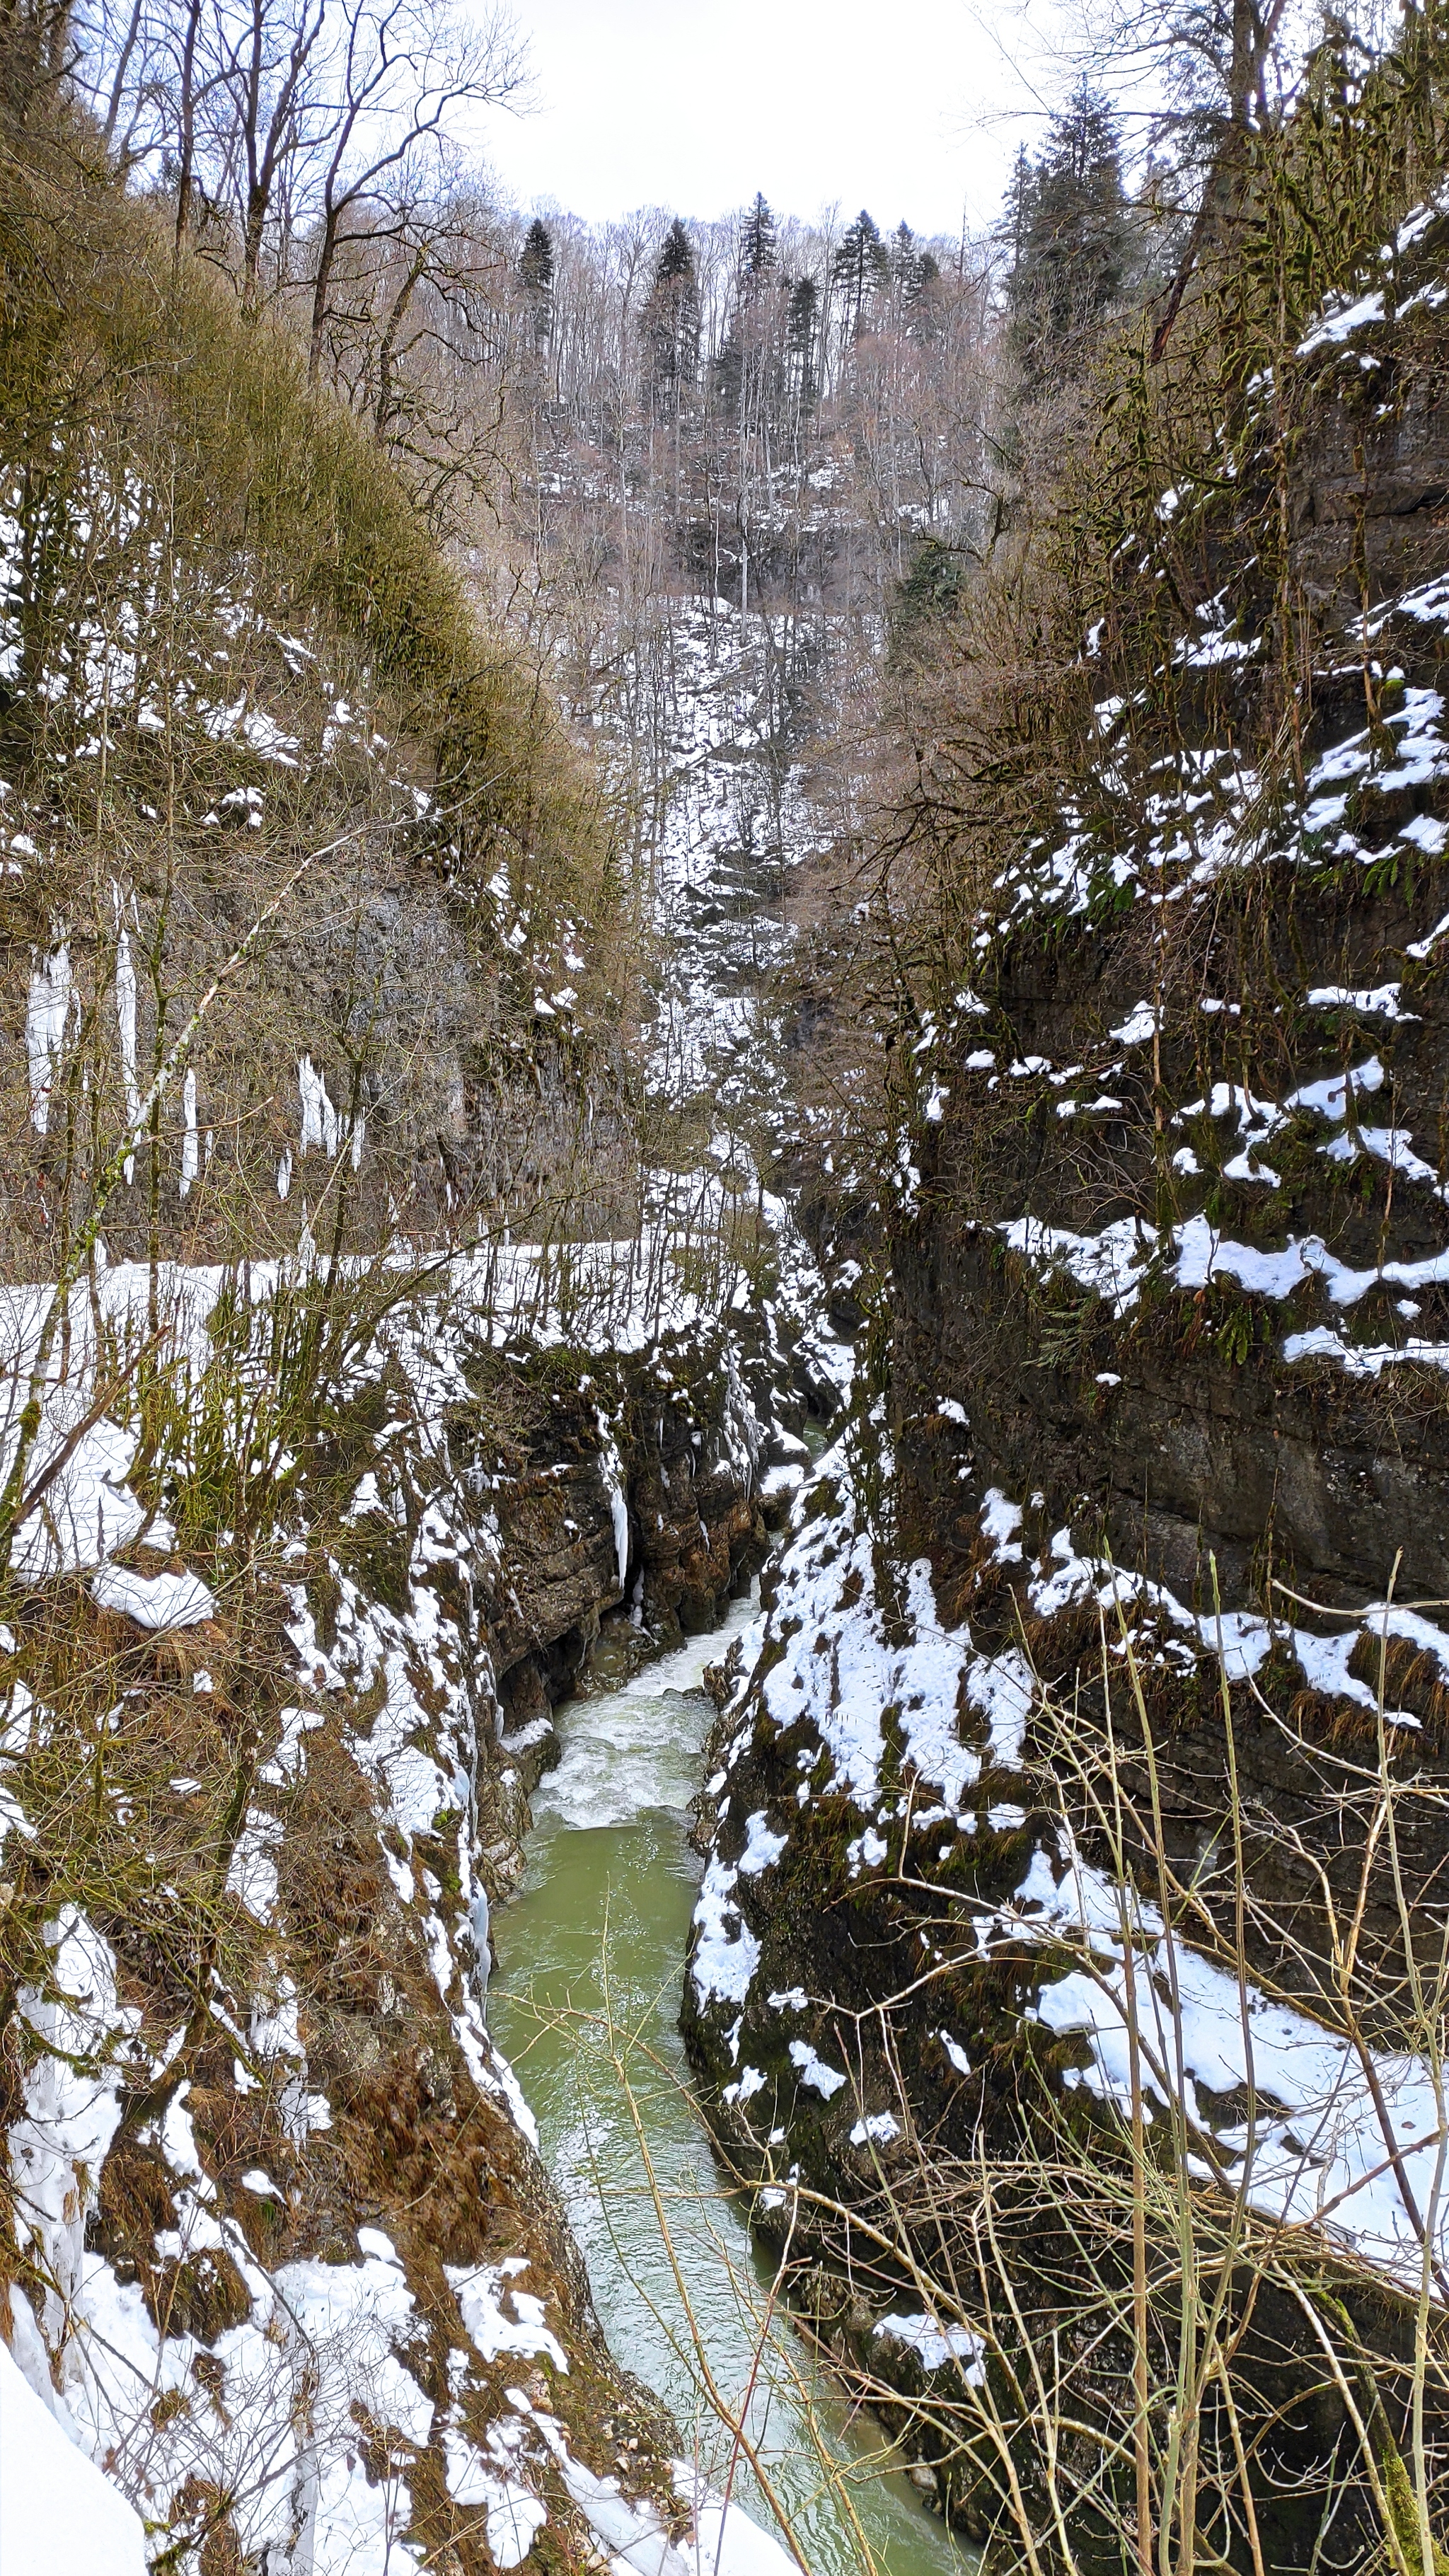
[[1168, 1361], [319, 1101], [284, 2257]]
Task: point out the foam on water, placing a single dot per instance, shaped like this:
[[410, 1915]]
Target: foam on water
[[636, 1750], [591, 1954]]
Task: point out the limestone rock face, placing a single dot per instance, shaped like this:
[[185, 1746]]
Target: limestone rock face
[[294, 2187], [624, 1481], [1158, 1461], [1179, 1251]]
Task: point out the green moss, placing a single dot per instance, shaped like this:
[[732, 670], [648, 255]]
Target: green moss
[[113, 359]]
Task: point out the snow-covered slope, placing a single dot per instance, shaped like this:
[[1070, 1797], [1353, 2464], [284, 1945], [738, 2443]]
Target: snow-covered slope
[[58, 2515]]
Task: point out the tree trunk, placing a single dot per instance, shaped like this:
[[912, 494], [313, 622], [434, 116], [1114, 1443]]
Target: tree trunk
[[186, 156]]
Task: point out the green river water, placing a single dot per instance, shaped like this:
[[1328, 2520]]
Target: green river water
[[602, 1920]]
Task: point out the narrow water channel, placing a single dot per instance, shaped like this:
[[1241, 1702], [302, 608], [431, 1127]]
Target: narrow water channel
[[602, 1921]]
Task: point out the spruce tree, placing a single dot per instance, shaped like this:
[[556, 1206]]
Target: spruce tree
[[912, 271], [1070, 225], [671, 323], [923, 312], [676, 259], [861, 265], [801, 330], [1016, 215], [748, 376], [757, 241], [905, 260], [535, 276], [929, 591]]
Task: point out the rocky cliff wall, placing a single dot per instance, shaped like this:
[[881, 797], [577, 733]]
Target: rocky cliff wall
[[1134, 1567], [283, 2256], [1178, 1248]]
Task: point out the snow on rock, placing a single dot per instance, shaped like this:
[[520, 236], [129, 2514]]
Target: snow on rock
[[481, 2292], [1115, 1263], [1110, 1263], [154, 1600], [840, 1667], [1333, 2133], [1140, 1025], [725, 2539], [404, 1688], [725, 1953], [514, 2513], [1343, 317], [1200, 811], [252, 1873], [58, 2146], [934, 2344], [321, 2338], [877, 2130], [632, 2532], [84, 1508], [836, 1661], [762, 1847], [822, 2079]]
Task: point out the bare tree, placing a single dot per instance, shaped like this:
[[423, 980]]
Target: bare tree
[[265, 112], [297, 125], [1216, 71], [405, 74]]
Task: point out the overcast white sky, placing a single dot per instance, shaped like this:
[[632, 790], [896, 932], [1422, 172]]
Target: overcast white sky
[[694, 104]]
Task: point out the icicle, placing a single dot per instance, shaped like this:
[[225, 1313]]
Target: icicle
[[47, 1013], [190, 1159], [319, 1118]]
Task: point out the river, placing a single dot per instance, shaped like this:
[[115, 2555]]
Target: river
[[596, 1941]]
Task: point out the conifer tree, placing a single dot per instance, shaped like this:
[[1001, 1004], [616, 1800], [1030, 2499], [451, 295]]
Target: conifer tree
[[535, 275], [1016, 214], [671, 323], [757, 241], [1069, 221], [861, 265], [748, 371], [801, 329], [922, 311], [912, 271]]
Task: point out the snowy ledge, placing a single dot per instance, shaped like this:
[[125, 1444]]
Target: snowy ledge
[[1336, 2138]]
